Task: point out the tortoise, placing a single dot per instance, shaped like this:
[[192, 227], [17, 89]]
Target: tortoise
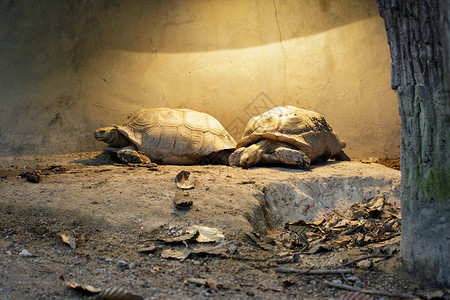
[[168, 136], [289, 135]]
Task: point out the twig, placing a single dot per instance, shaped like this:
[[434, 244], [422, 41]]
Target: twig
[[364, 258], [372, 292], [313, 272], [242, 258]]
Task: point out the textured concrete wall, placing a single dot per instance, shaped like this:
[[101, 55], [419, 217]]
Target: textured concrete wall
[[69, 67]]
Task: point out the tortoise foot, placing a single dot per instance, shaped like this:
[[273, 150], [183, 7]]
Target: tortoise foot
[[293, 157], [129, 156], [235, 158], [342, 156]]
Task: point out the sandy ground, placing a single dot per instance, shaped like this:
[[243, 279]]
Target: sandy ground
[[111, 212]]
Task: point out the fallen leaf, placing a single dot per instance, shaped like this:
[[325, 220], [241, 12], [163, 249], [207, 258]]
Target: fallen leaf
[[181, 254], [257, 240], [69, 239], [198, 281], [190, 233], [207, 234], [212, 284], [83, 288], [394, 242], [375, 206], [301, 226], [118, 294], [182, 200], [155, 249], [183, 182], [319, 248], [359, 211]]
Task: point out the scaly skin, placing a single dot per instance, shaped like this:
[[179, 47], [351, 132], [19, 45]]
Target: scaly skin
[[112, 137], [253, 154], [293, 157], [283, 152]]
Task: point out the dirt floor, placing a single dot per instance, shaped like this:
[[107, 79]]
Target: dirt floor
[[130, 232]]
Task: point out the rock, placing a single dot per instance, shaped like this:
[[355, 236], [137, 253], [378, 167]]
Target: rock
[[355, 280], [122, 264], [337, 281], [364, 264], [25, 253]]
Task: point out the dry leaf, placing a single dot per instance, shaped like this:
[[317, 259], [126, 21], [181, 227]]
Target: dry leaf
[[118, 294], [155, 249], [212, 284], [183, 182], [176, 253], [207, 234], [199, 281], [108, 294], [84, 288], [69, 239], [255, 238], [190, 233], [182, 200], [319, 248], [376, 204]]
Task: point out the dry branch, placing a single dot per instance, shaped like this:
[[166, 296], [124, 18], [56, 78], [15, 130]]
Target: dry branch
[[372, 292], [364, 258], [313, 272]]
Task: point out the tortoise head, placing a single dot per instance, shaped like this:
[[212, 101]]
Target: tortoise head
[[111, 136], [253, 154]]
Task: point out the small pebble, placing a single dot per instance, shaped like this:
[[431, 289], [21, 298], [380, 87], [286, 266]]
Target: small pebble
[[337, 281], [9, 253], [25, 253], [356, 280], [132, 265], [365, 264], [122, 264]]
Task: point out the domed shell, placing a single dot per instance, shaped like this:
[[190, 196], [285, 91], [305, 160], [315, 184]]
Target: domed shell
[[307, 130], [178, 136]]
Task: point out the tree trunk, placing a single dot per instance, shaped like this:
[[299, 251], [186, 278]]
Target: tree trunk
[[420, 56]]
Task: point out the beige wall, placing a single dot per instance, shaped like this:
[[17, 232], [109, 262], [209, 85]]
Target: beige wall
[[70, 67]]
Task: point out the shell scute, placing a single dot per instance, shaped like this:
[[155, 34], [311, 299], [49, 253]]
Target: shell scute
[[176, 135], [306, 130]]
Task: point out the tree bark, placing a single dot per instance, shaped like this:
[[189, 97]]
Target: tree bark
[[418, 36]]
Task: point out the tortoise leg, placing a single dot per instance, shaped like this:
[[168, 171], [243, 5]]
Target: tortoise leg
[[235, 157], [251, 156], [293, 157], [130, 156], [254, 153], [341, 156]]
